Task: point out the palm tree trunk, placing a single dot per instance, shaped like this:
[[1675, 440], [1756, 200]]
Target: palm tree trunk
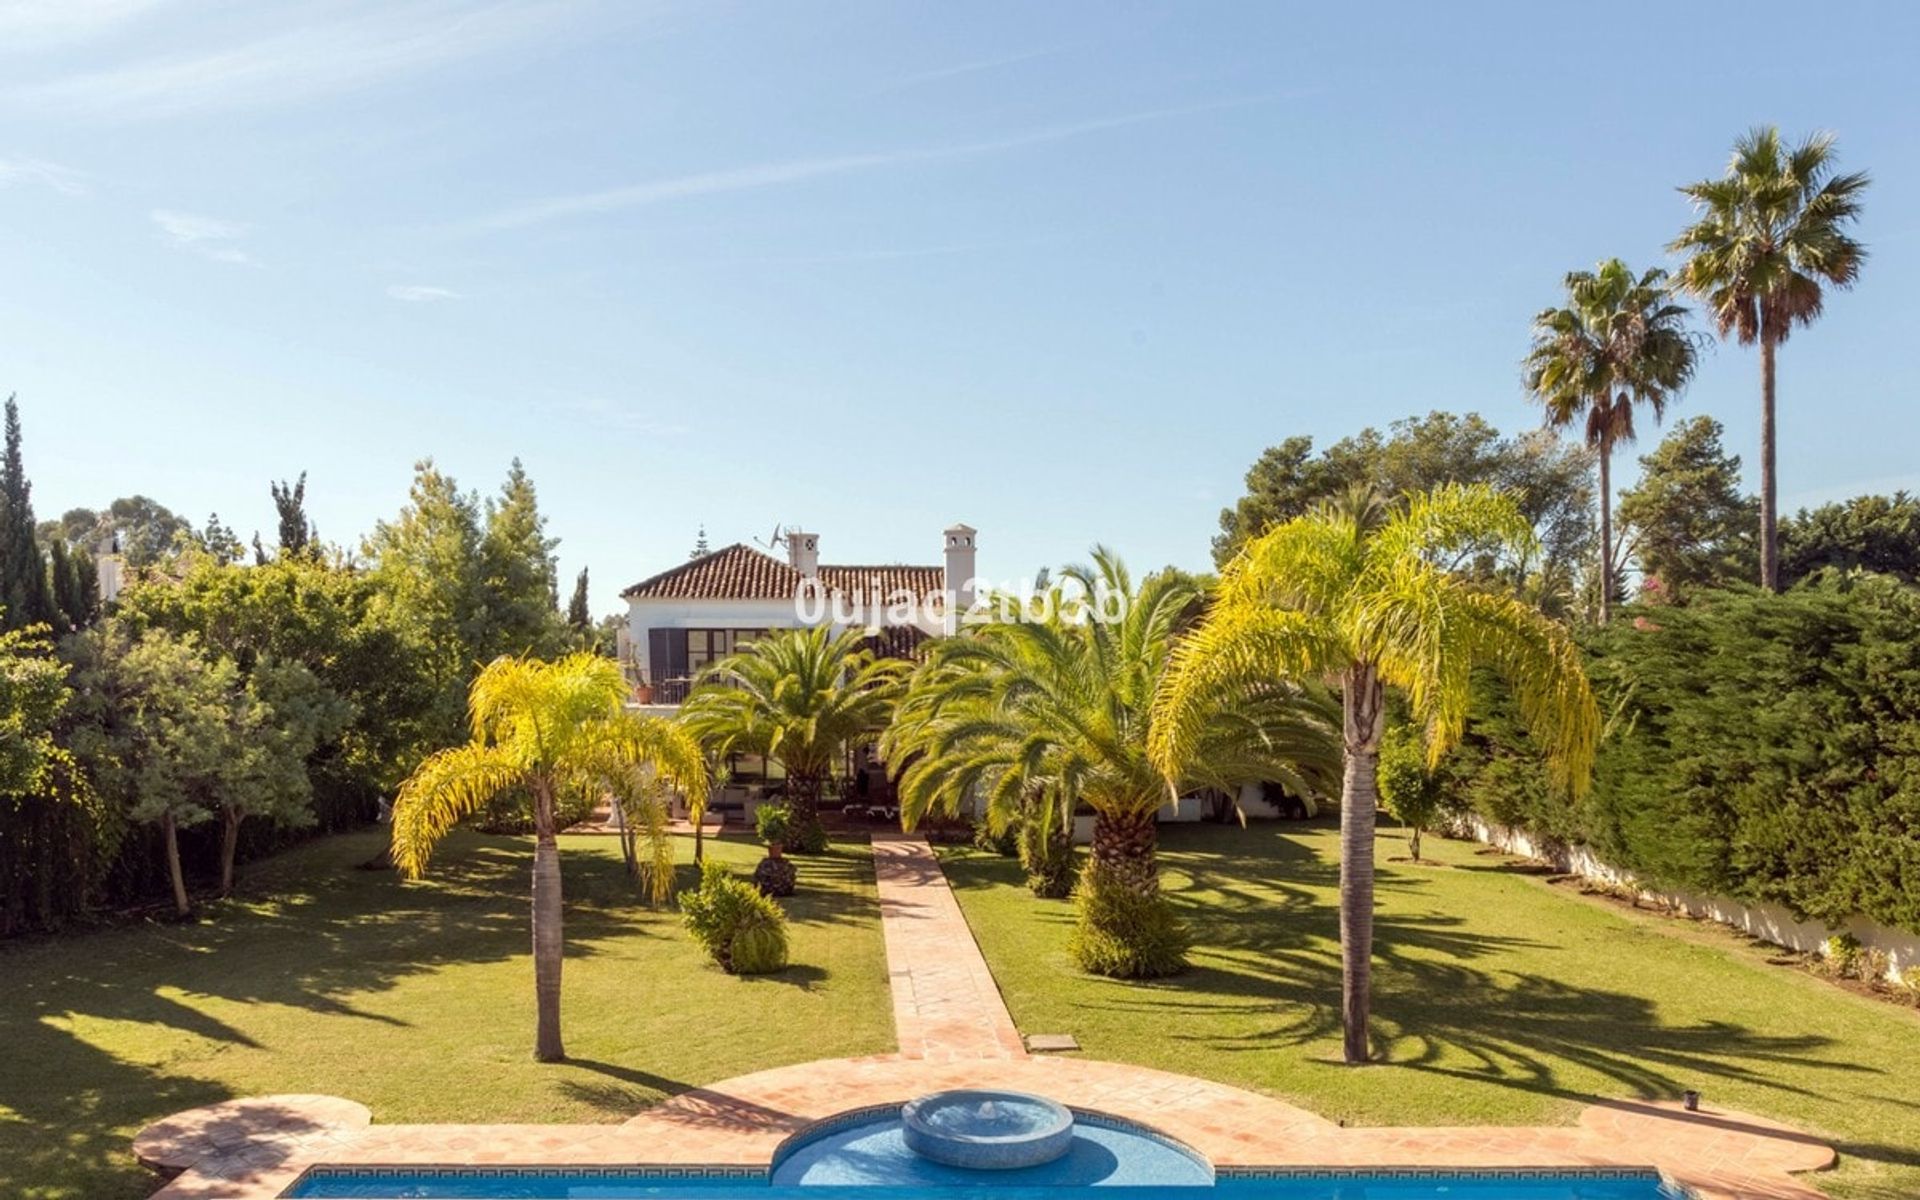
[[1606, 534], [1363, 702], [1123, 850], [548, 937], [803, 802], [171, 833], [1769, 541]]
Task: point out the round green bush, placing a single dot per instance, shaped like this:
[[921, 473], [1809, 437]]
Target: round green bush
[[721, 909], [1123, 934], [759, 948], [774, 823]]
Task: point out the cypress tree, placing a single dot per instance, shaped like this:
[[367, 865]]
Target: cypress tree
[[578, 615], [23, 569]]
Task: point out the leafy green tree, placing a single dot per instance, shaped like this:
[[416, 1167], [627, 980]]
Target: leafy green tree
[[1769, 237], [220, 542], [1360, 593], [297, 535], [140, 529], [553, 729], [1619, 342], [427, 568], [1412, 792], [178, 737], [334, 622], [801, 697], [1688, 524], [521, 573], [25, 597], [68, 577], [1866, 533], [1061, 706], [56, 838], [1550, 480]]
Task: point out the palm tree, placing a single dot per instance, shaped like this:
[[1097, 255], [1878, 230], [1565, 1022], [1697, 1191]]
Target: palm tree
[[800, 697], [1769, 234], [1061, 707], [1357, 593], [1619, 341], [555, 730]]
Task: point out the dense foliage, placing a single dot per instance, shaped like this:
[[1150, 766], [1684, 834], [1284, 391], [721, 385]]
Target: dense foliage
[[219, 707], [1765, 748], [743, 929], [1550, 480]]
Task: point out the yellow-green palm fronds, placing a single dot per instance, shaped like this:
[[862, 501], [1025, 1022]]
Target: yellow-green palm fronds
[[445, 788]]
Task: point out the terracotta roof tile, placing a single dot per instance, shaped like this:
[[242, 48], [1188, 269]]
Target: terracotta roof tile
[[732, 572], [740, 572]]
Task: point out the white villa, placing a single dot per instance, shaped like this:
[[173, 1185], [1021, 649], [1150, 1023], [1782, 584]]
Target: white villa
[[691, 615], [682, 619]]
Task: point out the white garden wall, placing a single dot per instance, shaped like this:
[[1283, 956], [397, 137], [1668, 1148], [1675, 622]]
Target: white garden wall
[[1768, 922]]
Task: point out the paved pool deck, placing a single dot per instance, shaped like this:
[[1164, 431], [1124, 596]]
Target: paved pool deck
[[954, 1031]]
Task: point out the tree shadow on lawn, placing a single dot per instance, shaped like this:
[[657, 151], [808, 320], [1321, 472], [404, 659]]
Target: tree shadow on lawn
[[333, 931]]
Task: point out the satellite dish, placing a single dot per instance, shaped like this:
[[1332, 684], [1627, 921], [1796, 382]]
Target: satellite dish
[[775, 539]]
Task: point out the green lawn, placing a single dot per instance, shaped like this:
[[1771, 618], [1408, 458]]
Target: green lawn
[[416, 999], [1499, 998]]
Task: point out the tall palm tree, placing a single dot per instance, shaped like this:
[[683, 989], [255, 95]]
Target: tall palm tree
[[556, 730], [1062, 707], [1358, 594], [1620, 341], [800, 697], [1769, 234]]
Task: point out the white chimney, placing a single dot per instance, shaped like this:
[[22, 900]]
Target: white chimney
[[803, 552], [961, 542]]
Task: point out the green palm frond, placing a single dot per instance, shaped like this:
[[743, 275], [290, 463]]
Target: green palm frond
[[1064, 709], [445, 788], [560, 728], [1321, 594], [1771, 234], [799, 697]]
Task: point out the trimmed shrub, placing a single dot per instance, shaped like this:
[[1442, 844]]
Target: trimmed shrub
[[773, 823], [1047, 856], [743, 931], [775, 876], [1758, 747], [1123, 934]]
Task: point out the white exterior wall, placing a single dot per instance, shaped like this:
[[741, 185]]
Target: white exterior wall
[[1769, 922], [644, 614]]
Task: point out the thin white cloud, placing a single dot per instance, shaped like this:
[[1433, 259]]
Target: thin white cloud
[[30, 22], [205, 236], [311, 59], [39, 173], [421, 293], [974, 67], [799, 170]]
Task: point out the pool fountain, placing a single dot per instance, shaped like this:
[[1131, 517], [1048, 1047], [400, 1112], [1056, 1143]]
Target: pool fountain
[[977, 1138], [987, 1131]]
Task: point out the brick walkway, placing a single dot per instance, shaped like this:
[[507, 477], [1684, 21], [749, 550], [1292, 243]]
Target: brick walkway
[[955, 1031], [946, 1006]]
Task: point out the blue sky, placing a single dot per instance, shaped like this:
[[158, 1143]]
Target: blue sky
[[1060, 271]]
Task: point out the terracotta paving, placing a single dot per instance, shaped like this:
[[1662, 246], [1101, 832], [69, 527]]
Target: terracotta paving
[[955, 1031], [946, 1006]]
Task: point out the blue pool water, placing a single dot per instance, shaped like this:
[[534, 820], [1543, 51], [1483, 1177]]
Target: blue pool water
[[590, 1183]]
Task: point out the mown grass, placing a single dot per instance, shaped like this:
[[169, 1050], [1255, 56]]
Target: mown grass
[[1500, 998], [413, 998]]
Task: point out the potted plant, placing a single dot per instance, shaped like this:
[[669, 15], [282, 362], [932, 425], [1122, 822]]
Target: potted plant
[[775, 876]]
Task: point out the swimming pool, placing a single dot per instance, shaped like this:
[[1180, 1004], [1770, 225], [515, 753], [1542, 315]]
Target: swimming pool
[[622, 1183]]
